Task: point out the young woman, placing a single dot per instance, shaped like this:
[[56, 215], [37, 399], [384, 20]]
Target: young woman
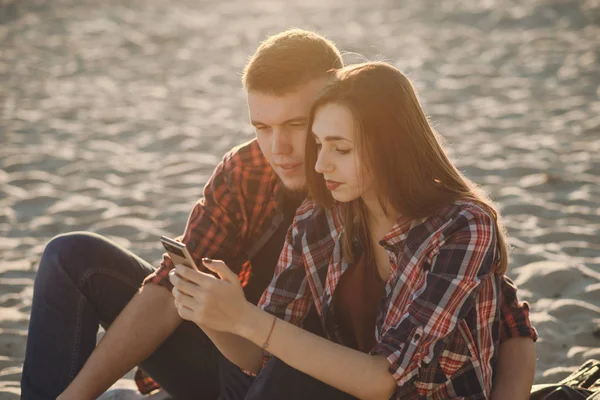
[[398, 255]]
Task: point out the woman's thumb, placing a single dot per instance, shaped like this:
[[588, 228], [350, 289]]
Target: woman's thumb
[[220, 268]]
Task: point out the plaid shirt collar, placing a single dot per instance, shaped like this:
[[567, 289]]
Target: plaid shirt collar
[[392, 242]]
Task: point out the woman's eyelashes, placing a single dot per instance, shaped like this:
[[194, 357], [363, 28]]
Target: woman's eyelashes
[[337, 149]]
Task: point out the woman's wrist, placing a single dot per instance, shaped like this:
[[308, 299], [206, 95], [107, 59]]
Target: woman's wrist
[[254, 324]]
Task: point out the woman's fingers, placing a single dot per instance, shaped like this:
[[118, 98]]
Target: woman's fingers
[[183, 285], [185, 312], [206, 300], [220, 268], [193, 275], [183, 298]]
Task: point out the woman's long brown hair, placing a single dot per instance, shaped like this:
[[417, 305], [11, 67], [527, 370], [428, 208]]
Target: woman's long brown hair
[[411, 170]]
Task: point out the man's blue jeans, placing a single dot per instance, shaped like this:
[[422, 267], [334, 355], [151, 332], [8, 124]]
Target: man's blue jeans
[[85, 280], [276, 381]]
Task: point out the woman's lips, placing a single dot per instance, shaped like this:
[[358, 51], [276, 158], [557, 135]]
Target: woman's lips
[[332, 185]]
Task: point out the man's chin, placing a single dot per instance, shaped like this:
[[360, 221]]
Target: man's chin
[[294, 186]]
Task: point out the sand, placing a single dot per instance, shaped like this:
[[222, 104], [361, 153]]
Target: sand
[[114, 114]]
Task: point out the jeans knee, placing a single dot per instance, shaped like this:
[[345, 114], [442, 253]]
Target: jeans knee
[[58, 253]]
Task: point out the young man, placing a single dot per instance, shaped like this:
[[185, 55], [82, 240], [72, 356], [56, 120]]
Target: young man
[[248, 205]]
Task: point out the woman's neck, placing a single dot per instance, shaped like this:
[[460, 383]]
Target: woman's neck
[[380, 220]]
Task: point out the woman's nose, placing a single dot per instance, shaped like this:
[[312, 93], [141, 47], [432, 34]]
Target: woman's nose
[[323, 165]]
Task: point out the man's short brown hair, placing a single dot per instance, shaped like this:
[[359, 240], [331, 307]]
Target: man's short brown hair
[[290, 59]]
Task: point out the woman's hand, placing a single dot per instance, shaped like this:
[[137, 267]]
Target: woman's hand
[[218, 304]]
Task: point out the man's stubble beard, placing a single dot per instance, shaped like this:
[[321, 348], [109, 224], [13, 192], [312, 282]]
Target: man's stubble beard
[[299, 193]]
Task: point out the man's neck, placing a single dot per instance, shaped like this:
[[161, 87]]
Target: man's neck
[[289, 200], [296, 195]]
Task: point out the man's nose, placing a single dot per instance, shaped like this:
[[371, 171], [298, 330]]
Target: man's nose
[[281, 143]]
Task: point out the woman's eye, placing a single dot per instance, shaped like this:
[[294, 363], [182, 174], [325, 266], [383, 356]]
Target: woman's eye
[[342, 151]]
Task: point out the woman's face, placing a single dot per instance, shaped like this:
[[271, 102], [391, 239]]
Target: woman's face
[[338, 160]]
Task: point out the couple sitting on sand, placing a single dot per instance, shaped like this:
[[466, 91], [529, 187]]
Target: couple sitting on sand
[[344, 256]]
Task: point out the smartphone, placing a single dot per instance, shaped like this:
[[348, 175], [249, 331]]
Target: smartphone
[[178, 252]]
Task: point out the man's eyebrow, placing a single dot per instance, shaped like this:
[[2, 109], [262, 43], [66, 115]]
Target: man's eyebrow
[[296, 120], [288, 121]]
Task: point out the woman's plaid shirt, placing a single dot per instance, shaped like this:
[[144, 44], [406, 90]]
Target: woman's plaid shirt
[[439, 324]]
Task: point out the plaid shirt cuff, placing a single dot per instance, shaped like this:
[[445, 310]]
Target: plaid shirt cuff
[[515, 314], [145, 383], [518, 327], [161, 275]]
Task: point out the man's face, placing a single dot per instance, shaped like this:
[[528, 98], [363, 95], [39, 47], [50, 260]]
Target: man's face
[[281, 125]]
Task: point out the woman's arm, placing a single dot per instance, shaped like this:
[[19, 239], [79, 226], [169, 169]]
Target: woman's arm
[[220, 306], [515, 370], [349, 370], [237, 349]]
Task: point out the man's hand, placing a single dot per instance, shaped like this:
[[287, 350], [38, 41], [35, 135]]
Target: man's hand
[[217, 304]]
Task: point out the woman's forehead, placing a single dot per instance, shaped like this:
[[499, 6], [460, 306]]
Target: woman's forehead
[[333, 122]]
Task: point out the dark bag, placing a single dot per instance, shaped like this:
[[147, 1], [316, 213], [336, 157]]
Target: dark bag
[[583, 384]]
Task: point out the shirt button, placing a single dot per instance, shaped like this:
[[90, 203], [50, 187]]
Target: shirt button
[[417, 337]]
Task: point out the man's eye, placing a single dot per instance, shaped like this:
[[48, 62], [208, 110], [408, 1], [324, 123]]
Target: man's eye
[[262, 128], [299, 125]]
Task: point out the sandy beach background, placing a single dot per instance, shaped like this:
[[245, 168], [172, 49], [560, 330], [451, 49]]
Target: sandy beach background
[[113, 115]]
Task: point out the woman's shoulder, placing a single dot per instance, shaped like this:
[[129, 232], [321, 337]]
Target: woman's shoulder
[[464, 210], [309, 211], [315, 221], [461, 215]]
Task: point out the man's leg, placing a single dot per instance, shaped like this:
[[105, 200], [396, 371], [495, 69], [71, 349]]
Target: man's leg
[[84, 280], [186, 364], [277, 380], [234, 383]]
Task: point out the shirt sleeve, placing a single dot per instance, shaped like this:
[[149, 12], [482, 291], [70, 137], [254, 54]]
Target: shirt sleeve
[[288, 296], [515, 314], [464, 256], [212, 228]]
